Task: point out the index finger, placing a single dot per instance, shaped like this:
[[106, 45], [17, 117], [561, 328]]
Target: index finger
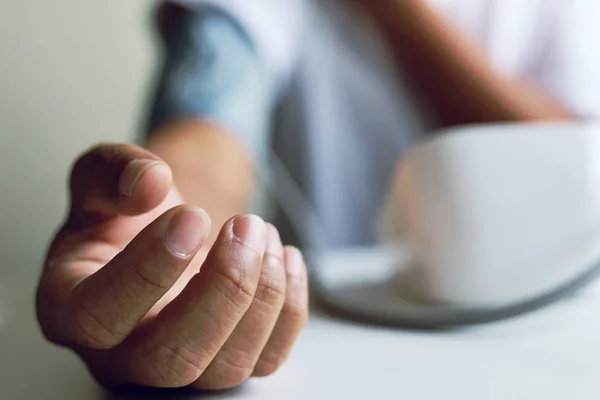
[[105, 307]]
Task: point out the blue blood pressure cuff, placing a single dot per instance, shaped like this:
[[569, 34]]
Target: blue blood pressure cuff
[[212, 71]]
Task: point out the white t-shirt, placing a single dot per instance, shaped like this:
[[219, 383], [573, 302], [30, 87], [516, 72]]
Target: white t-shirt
[[345, 116]]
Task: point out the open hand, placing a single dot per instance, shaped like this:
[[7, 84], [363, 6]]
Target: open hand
[[129, 284]]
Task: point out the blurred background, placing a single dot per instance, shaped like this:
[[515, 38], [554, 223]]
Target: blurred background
[[74, 73], [58, 96]]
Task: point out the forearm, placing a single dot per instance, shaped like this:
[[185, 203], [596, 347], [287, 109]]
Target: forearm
[[455, 78], [210, 167]]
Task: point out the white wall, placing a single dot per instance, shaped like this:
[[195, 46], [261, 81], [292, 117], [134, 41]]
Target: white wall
[[72, 73]]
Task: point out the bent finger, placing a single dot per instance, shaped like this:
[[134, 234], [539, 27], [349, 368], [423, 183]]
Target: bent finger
[[178, 345], [236, 359], [292, 319], [106, 306]]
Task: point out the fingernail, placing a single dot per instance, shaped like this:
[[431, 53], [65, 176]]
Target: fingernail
[[293, 260], [274, 245], [187, 230], [252, 231], [133, 172]]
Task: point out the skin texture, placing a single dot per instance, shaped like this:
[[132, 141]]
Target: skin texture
[[149, 291], [452, 75], [132, 284]]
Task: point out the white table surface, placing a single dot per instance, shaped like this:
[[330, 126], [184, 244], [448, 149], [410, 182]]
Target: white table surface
[[550, 354]]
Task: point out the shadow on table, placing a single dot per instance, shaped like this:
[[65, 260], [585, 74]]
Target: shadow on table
[[136, 393]]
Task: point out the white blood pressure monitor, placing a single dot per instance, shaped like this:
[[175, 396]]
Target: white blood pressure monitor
[[499, 220]]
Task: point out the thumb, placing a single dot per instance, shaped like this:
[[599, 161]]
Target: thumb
[[117, 179]]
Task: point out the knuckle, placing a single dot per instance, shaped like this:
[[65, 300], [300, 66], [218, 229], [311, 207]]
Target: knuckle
[[235, 285], [229, 371], [150, 274], [177, 366], [270, 290], [237, 269], [268, 364], [90, 331]]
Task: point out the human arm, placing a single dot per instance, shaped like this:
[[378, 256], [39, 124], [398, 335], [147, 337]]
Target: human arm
[[210, 166], [211, 109], [123, 284], [145, 292], [453, 75]]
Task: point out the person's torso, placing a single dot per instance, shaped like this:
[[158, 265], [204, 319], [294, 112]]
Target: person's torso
[[348, 116]]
